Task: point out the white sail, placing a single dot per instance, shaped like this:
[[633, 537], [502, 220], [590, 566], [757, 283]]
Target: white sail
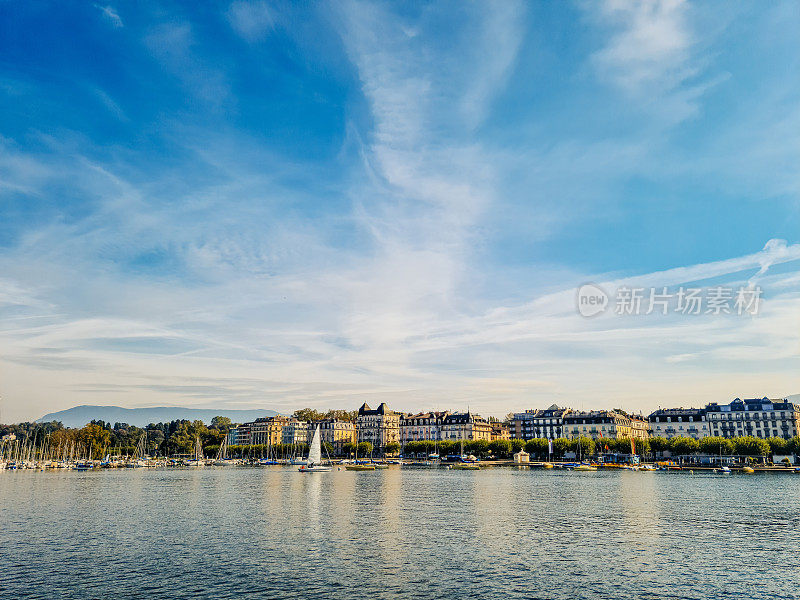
[[315, 450]]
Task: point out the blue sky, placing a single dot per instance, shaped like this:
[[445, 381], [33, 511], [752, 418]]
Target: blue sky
[[276, 205]]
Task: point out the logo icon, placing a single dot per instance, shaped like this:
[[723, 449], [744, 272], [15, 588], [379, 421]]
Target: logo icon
[[591, 300]]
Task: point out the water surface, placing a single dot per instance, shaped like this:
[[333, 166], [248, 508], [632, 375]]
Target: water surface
[[236, 532]]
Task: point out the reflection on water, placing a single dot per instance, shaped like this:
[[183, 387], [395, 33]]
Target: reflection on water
[[408, 533]]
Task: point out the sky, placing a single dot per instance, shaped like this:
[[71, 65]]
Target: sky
[[279, 205]]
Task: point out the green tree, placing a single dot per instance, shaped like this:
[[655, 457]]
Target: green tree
[[585, 446], [561, 446], [716, 445], [448, 447], [342, 415], [391, 448], [221, 424], [777, 445], [537, 447], [95, 438], [477, 447], [308, 414], [750, 446], [794, 445], [659, 444], [682, 445], [365, 449], [517, 445], [501, 448]]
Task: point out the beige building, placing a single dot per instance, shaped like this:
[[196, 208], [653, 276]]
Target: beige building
[[422, 427], [380, 426], [296, 432], [268, 430], [679, 422], [605, 424], [466, 426], [500, 431], [335, 432]]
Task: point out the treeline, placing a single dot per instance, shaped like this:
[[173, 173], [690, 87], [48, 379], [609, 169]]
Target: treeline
[[98, 438], [585, 446], [309, 414], [740, 446], [365, 450]]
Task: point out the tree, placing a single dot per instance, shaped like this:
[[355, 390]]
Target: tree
[[308, 414], [585, 446], [517, 445], [537, 447], [477, 447], [561, 446], [391, 448], [501, 448], [659, 444], [342, 415], [794, 445], [221, 424], [750, 446], [683, 445], [777, 445], [716, 445], [95, 438], [365, 449]]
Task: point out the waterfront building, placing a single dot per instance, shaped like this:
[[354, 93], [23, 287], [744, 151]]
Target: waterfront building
[[679, 422], [296, 432], [500, 431], [466, 426], [268, 430], [380, 426], [762, 418], [239, 435], [422, 427], [605, 424], [336, 432], [546, 424]]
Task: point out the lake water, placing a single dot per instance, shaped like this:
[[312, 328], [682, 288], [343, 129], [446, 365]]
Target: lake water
[[235, 532]]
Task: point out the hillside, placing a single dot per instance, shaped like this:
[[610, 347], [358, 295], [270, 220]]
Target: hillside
[[78, 416]]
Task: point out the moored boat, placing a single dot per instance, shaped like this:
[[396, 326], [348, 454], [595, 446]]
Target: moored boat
[[355, 467], [584, 468], [465, 467]]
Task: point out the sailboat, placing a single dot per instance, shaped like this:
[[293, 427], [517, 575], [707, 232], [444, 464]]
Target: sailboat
[[198, 460], [222, 454], [314, 464]]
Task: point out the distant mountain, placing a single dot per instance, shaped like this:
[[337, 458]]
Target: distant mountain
[[79, 416]]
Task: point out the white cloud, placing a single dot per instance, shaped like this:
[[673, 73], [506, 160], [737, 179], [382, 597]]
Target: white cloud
[[110, 14], [251, 20], [650, 48]]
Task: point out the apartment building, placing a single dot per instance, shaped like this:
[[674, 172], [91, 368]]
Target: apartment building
[[466, 426], [380, 426], [679, 422], [421, 427], [762, 418]]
